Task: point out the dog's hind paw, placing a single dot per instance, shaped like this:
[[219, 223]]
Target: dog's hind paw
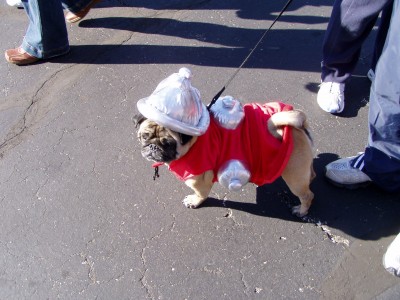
[[192, 201], [299, 211]]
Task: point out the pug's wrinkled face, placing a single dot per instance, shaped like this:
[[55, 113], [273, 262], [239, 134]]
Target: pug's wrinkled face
[[159, 143]]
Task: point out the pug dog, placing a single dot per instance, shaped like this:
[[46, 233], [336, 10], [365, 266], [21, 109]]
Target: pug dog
[[164, 145]]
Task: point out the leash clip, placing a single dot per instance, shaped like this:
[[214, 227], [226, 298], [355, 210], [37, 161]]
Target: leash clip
[[155, 166]]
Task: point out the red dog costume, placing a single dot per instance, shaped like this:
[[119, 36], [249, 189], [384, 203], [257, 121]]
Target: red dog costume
[[251, 143]]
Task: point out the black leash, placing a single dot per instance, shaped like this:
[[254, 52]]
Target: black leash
[[156, 165], [248, 56], [156, 174]]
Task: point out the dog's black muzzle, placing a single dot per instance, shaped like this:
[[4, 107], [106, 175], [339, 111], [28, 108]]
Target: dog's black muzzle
[[155, 153]]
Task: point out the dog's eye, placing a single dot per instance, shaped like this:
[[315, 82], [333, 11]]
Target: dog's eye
[[164, 141], [145, 136]]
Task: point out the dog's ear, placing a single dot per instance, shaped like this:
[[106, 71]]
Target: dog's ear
[[138, 119]]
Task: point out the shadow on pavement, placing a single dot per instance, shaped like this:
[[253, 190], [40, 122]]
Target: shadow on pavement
[[275, 52], [366, 214], [265, 10]]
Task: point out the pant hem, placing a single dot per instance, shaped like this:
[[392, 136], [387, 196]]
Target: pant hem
[[44, 54]]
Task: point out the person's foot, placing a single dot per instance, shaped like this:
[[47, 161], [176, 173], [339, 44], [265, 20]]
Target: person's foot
[[16, 3], [71, 17], [391, 259], [344, 172], [331, 97], [20, 57]]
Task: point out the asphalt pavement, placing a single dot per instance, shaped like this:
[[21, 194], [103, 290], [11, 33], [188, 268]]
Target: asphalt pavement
[[81, 216]]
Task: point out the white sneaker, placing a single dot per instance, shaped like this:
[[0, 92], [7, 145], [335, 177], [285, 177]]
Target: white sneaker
[[331, 97], [16, 3], [342, 174], [391, 259]]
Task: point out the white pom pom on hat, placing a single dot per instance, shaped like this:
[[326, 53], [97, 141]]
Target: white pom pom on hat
[[177, 105]]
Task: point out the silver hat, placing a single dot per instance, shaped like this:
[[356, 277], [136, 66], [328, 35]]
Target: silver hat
[[177, 105]]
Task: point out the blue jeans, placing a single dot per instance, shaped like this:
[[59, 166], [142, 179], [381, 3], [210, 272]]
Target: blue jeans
[[47, 33], [350, 23], [381, 161]]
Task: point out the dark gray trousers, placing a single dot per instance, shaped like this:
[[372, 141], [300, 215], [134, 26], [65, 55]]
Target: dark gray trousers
[[350, 23]]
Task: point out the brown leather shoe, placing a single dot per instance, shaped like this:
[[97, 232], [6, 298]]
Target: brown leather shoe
[[20, 57], [71, 17]]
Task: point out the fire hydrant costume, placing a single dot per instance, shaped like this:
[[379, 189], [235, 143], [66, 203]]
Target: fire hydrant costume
[[264, 156], [233, 140]]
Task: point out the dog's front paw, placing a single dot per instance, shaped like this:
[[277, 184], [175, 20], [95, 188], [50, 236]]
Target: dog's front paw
[[300, 210], [192, 201]]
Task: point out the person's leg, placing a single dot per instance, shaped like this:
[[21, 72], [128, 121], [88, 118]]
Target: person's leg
[[350, 23], [78, 9], [382, 155], [381, 161], [381, 34], [75, 5], [378, 135], [46, 35]]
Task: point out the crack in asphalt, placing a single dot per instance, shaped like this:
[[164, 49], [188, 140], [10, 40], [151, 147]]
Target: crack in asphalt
[[143, 279], [23, 124], [91, 272]]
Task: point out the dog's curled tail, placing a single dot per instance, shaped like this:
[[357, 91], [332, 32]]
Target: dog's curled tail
[[294, 118]]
